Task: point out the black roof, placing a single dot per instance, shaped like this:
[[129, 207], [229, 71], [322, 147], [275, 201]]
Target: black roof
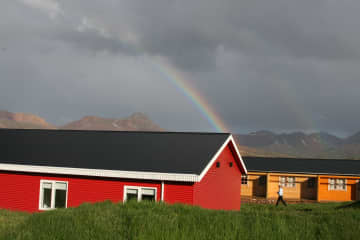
[[165, 152], [309, 166]]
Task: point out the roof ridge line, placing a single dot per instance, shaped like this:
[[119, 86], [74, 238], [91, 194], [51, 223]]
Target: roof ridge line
[[116, 131]]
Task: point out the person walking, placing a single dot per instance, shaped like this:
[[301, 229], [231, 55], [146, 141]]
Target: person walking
[[280, 194]]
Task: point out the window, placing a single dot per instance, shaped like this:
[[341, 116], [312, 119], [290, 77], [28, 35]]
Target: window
[[282, 181], [287, 181], [337, 184], [53, 194], [244, 179], [139, 193], [311, 183], [290, 181]]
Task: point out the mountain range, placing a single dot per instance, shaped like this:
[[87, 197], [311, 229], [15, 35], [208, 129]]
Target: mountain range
[[260, 143], [299, 144], [135, 122]]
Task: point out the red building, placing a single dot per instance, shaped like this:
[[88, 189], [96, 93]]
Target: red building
[[47, 169]]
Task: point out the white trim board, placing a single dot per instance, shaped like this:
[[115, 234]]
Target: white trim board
[[101, 173], [217, 154]]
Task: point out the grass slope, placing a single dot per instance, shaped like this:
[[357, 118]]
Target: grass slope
[[160, 221]]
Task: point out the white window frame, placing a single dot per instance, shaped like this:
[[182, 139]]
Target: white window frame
[[292, 183], [53, 190], [139, 192], [244, 177], [284, 181], [335, 185]]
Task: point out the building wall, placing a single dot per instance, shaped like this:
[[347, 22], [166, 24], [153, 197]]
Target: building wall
[[254, 186], [21, 191], [320, 191], [220, 188], [299, 191], [178, 192], [325, 194]]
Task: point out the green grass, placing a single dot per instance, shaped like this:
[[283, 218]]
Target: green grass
[[148, 220]]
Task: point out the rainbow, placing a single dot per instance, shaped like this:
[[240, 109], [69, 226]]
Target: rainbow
[[177, 79]]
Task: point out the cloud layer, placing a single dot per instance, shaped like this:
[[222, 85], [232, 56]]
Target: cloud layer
[[280, 65]]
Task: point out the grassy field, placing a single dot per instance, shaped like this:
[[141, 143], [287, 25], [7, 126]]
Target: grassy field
[[148, 220]]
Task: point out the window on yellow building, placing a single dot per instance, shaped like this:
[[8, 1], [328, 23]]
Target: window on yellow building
[[244, 179], [290, 182], [337, 184], [287, 181]]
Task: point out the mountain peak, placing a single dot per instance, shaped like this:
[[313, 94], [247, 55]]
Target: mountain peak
[[354, 138], [135, 122], [23, 120]]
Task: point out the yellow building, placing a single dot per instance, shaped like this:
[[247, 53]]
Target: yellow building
[[302, 179]]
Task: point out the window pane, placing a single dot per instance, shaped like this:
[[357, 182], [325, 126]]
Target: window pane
[[146, 191], [148, 197], [131, 194], [132, 191], [60, 198], [60, 185], [46, 201], [147, 194], [46, 185], [244, 179]]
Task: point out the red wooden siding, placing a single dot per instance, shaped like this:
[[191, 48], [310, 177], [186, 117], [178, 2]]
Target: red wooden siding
[[21, 191], [178, 193], [220, 187]]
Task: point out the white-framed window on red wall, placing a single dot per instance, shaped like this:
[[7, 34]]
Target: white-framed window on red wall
[[337, 184], [139, 193], [53, 194]]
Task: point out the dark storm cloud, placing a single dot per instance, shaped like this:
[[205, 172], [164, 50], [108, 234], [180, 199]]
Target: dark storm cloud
[[275, 64], [93, 41]]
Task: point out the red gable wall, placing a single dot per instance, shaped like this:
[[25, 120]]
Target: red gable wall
[[220, 187]]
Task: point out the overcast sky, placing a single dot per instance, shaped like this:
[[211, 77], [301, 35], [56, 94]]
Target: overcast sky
[[279, 65]]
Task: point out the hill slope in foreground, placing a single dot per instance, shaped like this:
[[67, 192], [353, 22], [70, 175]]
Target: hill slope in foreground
[[161, 221]]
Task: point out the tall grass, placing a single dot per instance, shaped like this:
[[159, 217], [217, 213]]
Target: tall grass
[[147, 220]]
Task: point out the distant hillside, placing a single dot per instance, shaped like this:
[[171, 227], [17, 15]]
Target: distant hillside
[[135, 122], [23, 120], [298, 144]]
